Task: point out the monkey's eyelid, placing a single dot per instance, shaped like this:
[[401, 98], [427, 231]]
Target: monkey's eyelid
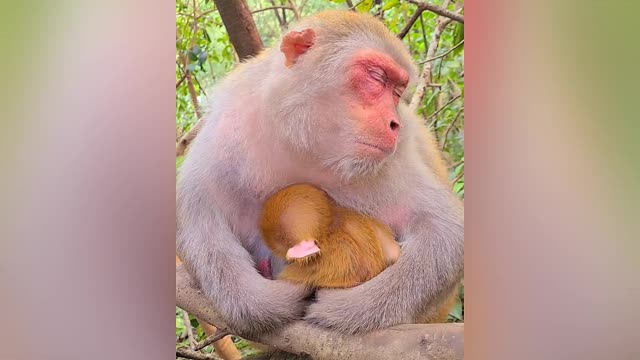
[[379, 75]]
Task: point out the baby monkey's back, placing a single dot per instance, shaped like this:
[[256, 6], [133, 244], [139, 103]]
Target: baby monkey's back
[[327, 245]]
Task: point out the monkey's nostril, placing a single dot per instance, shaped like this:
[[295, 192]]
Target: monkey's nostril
[[394, 125]]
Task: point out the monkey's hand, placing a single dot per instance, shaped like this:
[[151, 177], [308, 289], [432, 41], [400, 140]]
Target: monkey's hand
[[430, 264], [264, 308]]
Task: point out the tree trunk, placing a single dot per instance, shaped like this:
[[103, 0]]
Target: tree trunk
[[240, 26]]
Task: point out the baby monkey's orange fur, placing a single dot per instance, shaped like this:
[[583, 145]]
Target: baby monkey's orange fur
[[353, 247]]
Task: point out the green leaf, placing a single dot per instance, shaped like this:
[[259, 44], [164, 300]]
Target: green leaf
[[202, 57], [192, 56], [458, 186], [365, 6], [391, 4]]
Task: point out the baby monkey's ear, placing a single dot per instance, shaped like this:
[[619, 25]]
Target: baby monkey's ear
[[302, 250], [295, 44]]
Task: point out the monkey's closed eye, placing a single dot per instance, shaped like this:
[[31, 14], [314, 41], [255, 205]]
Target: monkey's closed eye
[[378, 75]]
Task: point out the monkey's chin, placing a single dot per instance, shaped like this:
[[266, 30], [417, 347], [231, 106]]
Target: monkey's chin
[[354, 168], [375, 151]]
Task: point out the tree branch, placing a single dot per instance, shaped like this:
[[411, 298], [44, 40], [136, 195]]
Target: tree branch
[[426, 75], [186, 139], [189, 330], [444, 106], [443, 54], [190, 354], [211, 339], [442, 11], [457, 178], [416, 15], [446, 132], [273, 8], [407, 342]]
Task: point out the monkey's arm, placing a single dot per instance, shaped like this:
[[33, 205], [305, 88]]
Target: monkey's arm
[[430, 265], [225, 271]]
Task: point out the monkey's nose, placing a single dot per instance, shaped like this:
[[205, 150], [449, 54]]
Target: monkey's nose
[[394, 125]]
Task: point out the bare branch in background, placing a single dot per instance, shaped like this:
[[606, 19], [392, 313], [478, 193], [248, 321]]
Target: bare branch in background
[[190, 354], [186, 139], [276, 8], [181, 80], [443, 54], [446, 132], [211, 339], [457, 178], [443, 107], [442, 11], [189, 329], [296, 14], [426, 75], [416, 15], [409, 341]]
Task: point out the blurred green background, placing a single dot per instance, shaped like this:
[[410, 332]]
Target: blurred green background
[[204, 54]]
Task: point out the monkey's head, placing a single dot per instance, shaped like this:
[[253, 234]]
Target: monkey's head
[[344, 74]]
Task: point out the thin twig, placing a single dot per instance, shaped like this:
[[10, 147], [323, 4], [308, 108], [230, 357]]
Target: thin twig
[[443, 54], [457, 178], [181, 80], [296, 14], [301, 7], [189, 330], [443, 107], [455, 165], [424, 34], [442, 11], [211, 339], [272, 8], [353, 7], [190, 354], [446, 132]]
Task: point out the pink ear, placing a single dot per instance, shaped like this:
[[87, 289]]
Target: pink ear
[[302, 250], [295, 44]]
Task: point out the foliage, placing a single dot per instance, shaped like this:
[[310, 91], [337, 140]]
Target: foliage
[[203, 52]]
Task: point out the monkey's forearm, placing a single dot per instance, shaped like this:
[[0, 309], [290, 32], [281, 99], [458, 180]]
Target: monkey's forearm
[[430, 264], [226, 275]]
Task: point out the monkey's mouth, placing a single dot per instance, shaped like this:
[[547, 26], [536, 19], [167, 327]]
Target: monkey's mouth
[[378, 148]]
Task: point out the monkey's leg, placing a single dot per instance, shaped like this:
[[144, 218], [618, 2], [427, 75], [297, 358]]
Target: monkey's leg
[[225, 348]]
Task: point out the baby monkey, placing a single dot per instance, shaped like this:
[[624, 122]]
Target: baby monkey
[[326, 245]]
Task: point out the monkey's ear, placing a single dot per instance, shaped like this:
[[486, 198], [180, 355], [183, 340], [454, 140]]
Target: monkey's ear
[[302, 250], [295, 44]]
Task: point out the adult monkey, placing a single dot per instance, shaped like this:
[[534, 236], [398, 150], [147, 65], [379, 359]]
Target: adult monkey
[[326, 110]]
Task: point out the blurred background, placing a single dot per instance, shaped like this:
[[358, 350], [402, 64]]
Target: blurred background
[[206, 52], [87, 209]]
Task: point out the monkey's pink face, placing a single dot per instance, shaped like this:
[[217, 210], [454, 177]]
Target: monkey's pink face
[[376, 83]]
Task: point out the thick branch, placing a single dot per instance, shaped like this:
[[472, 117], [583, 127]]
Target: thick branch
[[438, 10], [240, 26], [416, 15], [407, 342]]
